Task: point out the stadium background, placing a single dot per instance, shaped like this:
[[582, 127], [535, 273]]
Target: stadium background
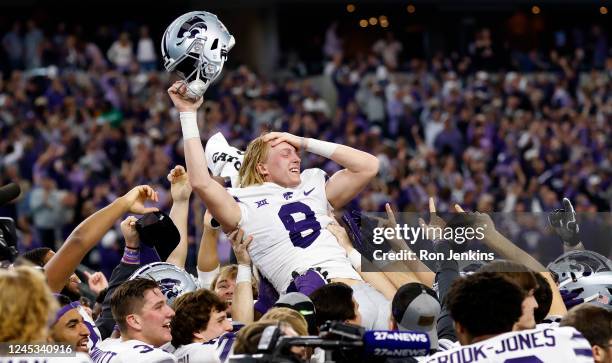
[[533, 127]]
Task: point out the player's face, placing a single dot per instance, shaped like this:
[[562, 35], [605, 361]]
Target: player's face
[[527, 320], [225, 288], [217, 325], [71, 329], [283, 165], [155, 318]]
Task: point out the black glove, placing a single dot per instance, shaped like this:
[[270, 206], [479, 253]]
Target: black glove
[[563, 221]]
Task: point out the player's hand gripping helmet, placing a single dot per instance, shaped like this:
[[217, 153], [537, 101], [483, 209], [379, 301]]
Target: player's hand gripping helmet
[[173, 281], [195, 47]]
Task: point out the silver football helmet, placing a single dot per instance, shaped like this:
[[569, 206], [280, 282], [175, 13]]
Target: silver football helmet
[[585, 270], [173, 281], [195, 47]]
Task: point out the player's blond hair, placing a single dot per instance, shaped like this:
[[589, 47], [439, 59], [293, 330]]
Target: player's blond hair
[[289, 316], [256, 153], [26, 305]]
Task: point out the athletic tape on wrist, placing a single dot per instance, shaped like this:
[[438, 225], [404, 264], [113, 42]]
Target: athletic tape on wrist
[[244, 274], [355, 257], [189, 125], [323, 148]]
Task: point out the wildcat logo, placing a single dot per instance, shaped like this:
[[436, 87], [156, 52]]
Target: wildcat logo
[[287, 195], [195, 30]]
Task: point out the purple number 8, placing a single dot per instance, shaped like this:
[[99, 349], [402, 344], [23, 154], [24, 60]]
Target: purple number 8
[[295, 229]]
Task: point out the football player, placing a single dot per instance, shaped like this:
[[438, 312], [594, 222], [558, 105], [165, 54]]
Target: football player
[[143, 316], [284, 209], [485, 307], [69, 325], [199, 326]]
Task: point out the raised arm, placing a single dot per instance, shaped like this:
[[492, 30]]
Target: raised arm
[[508, 250], [221, 204], [359, 167], [242, 302], [208, 258], [87, 234], [375, 278], [179, 213]]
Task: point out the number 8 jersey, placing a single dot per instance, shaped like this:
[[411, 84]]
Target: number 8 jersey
[[289, 232]]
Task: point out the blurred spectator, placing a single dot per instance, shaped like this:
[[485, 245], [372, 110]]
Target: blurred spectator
[[145, 53], [50, 209], [120, 53], [33, 40], [12, 42], [389, 49]]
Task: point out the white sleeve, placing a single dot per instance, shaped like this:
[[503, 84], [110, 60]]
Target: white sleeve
[[206, 277]]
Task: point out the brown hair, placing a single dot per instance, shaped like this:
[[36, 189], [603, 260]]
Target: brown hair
[[231, 271], [192, 313], [257, 152], [289, 316], [594, 322], [516, 272], [26, 305], [128, 299], [248, 337]]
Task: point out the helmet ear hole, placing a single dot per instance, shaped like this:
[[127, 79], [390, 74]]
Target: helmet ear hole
[[215, 44]]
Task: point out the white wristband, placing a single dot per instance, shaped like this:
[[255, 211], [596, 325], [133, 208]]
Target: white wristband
[[244, 274], [189, 124], [323, 148], [355, 257]]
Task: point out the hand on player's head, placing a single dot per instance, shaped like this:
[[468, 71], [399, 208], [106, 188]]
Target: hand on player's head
[[275, 138]]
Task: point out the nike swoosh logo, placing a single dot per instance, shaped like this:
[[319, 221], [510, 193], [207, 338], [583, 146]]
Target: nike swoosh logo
[[308, 192]]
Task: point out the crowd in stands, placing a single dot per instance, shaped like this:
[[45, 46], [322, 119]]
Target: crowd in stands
[[90, 134]]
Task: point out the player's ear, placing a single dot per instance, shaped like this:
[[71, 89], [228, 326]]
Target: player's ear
[[199, 335], [599, 353], [262, 169], [392, 324], [133, 321]]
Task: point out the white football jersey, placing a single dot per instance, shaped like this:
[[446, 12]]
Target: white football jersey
[[214, 351], [289, 232], [129, 351], [78, 358], [555, 345]]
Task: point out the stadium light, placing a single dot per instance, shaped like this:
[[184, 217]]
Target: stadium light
[[373, 21], [603, 10], [363, 23], [411, 9], [350, 8], [384, 24], [535, 9]]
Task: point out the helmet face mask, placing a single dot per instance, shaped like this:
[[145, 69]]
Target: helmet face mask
[[195, 47]]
